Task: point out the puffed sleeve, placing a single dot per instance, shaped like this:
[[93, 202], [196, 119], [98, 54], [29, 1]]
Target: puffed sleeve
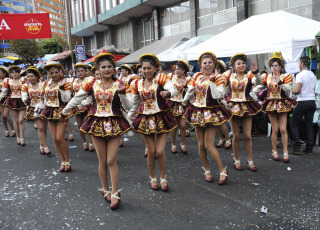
[[80, 96], [190, 91], [136, 100], [217, 87], [286, 80], [4, 90], [164, 81], [66, 91], [126, 96], [257, 82], [24, 92]]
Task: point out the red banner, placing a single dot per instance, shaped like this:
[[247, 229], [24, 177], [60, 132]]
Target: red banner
[[25, 26]]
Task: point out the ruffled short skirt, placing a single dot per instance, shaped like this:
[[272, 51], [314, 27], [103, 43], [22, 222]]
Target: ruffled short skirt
[[244, 109], [30, 114], [55, 113], [105, 126], [206, 117], [176, 108], [161, 122], [14, 103], [284, 105], [77, 111]]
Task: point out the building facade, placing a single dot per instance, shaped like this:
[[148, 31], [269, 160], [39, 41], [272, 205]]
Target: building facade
[[132, 24], [56, 10]]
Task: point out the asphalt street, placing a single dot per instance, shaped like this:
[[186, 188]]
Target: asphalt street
[[35, 195]]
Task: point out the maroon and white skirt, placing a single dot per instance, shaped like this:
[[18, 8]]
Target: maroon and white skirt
[[207, 116], [105, 126]]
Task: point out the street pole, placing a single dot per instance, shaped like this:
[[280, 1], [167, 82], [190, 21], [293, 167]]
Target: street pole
[[69, 33]]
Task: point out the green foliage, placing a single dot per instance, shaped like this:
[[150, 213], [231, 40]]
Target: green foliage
[[27, 49], [53, 45]]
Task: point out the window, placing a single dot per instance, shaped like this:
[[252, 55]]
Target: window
[[216, 12], [174, 19]]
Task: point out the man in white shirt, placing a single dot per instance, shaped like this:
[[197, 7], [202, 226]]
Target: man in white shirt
[[305, 91]]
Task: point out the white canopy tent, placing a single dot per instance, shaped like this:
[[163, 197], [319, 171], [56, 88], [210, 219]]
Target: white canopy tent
[[175, 53], [265, 33]]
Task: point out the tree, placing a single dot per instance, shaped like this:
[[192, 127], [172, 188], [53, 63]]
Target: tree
[[27, 49], [53, 45]]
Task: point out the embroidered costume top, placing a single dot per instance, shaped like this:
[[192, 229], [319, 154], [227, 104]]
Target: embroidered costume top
[[241, 90], [36, 95], [106, 102], [181, 89], [128, 81], [208, 90], [13, 90], [57, 97], [152, 101], [277, 90]]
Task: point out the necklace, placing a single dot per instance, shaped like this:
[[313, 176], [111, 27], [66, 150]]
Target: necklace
[[147, 86], [105, 88]]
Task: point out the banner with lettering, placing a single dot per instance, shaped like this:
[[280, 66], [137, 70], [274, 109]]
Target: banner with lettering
[[24, 26]]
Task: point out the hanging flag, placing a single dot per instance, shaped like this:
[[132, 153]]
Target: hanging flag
[[24, 26]]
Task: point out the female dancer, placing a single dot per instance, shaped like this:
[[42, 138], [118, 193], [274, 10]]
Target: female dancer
[[182, 83], [206, 113], [81, 110], [222, 130], [107, 124], [127, 76], [12, 88], [154, 120], [57, 93], [5, 110], [241, 105], [32, 94], [278, 104]]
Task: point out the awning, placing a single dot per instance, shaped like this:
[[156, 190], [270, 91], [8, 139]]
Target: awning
[[117, 57], [154, 48], [176, 53]]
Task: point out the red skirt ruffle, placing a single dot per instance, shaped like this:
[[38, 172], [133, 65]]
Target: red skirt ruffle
[[14, 103], [161, 122], [244, 109], [83, 110], [205, 117], [55, 113], [284, 105], [105, 126]]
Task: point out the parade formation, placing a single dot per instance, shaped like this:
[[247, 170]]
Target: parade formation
[[153, 104]]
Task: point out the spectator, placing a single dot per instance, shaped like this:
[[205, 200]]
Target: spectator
[[305, 91], [70, 73]]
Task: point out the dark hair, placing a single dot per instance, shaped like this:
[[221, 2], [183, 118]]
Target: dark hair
[[4, 72], [151, 61], [15, 69], [35, 73], [305, 60], [239, 57], [208, 56], [109, 59], [182, 66], [162, 66], [278, 61]]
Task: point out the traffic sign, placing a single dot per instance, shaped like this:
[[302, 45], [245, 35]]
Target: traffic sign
[[80, 52]]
